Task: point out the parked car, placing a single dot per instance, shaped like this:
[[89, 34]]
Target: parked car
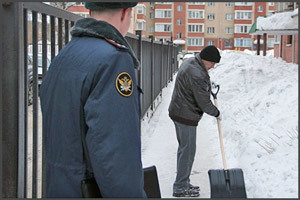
[[30, 74], [40, 66], [188, 55], [30, 82]]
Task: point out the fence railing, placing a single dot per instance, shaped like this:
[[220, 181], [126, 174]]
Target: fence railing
[[32, 34]]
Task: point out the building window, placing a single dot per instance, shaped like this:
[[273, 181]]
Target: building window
[[243, 3], [164, 39], [195, 41], [141, 9], [209, 42], [211, 16], [210, 30], [228, 30], [241, 42], [289, 40], [179, 8], [228, 43], [140, 25], [271, 3], [152, 5], [163, 2], [196, 14], [151, 15], [277, 39], [196, 3], [260, 9], [162, 27], [79, 3], [210, 3], [270, 42], [163, 14], [179, 22], [228, 16], [195, 28], [179, 35], [229, 4], [84, 15], [151, 29], [243, 15], [242, 28]]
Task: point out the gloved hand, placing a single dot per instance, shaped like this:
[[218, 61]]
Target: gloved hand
[[219, 117]]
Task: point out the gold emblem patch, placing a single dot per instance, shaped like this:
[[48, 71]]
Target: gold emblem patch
[[124, 84]]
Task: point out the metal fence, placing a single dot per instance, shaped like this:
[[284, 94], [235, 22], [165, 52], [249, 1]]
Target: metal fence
[[32, 34]]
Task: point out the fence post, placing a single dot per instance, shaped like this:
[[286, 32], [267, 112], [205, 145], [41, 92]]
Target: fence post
[[168, 65], [152, 72], [52, 35], [173, 62], [162, 65], [139, 56], [12, 103]]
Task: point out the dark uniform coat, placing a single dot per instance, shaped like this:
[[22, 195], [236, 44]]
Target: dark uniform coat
[[191, 94], [91, 87]]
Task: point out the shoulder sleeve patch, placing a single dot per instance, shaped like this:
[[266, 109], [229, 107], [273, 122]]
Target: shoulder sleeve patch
[[124, 84]]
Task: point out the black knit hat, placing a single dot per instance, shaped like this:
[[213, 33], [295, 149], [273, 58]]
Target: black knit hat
[[109, 5], [210, 53]]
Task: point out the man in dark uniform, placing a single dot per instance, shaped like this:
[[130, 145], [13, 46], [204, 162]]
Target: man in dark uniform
[[91, 88]]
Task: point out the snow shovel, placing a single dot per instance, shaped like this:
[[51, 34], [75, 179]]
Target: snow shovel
[[225, 183]]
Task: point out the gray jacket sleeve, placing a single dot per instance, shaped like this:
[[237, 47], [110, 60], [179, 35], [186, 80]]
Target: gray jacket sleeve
[[201, 90]]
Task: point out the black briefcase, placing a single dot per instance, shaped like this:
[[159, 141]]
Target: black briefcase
[[90, 189], [151, 185]]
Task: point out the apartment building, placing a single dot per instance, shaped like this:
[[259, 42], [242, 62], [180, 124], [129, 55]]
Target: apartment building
[[79, 9], [145, 18], [246, 14], [194, 25]]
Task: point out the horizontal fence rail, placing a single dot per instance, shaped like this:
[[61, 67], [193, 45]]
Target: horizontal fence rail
[[35, 33]]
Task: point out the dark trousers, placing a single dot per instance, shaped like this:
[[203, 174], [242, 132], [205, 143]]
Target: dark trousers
[[186, 136]]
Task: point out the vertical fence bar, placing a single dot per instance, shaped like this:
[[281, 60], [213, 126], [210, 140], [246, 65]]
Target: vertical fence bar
[[139, 57], [44, 57], [152, 73], [168, 65], [60, 34], [52, 34], [22, 91], [161, 67], [172, 61], [35, 105], [66, 31], [27, 85], [44, 44]]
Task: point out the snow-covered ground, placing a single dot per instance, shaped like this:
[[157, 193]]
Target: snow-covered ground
[[258, 100]]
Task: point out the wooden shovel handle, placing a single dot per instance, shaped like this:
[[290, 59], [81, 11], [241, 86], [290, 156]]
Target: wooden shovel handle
[[221, 138]]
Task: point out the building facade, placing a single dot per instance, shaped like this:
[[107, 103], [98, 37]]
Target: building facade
[[195, 25]]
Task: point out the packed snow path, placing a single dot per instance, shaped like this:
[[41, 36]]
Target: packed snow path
[[258, 100]]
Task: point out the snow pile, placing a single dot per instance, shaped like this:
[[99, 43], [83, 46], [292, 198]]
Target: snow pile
[[277, 21], [258, 100]]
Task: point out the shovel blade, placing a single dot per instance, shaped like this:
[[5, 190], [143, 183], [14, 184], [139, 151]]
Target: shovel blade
[[227, 183]]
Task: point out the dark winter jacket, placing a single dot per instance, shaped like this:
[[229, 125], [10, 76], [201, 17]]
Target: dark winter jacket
[[91, 88], [191, 95]]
